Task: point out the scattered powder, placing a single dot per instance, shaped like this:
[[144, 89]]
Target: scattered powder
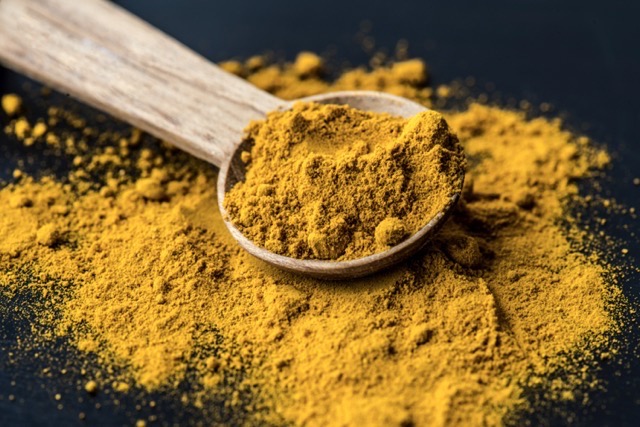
[[145, 276], [298, 79], [91, 387], [333, 182], [11, 104]]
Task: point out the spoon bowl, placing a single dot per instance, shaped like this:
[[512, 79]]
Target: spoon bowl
[[233, 171]]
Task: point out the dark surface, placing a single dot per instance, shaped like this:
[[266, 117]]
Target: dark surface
[[581, 56]]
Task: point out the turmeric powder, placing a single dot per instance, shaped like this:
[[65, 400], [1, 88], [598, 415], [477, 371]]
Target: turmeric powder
[[332, 182], [298, 79], [145, 277], [11, 103]]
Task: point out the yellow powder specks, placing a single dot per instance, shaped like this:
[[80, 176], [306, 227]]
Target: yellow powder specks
[[22, 128], [120, 386], [413, 71], [308, 64], [39, 130], [151, 188], [304, 77], [91, 387], [233, 67], [11, 104]]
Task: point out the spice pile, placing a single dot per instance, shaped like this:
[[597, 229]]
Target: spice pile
[[333, 182], [139, 270]]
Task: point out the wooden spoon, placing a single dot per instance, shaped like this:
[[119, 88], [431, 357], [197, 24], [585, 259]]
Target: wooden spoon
[[110, 59]]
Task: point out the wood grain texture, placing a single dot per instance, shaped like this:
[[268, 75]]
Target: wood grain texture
[[108, 58]]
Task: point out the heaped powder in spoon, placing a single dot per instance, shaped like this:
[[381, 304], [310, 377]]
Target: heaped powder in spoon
[[333, 182]]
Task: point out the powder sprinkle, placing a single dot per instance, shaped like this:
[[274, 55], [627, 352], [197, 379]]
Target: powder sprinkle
[[139, 272]]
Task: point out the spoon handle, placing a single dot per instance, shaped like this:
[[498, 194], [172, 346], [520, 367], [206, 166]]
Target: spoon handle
[[114, 61]]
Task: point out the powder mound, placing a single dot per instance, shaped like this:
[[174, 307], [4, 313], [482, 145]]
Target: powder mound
[[333, 182], [509, 299]]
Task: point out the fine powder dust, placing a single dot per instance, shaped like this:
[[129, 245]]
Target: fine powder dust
[[130, 247], [333, 182]]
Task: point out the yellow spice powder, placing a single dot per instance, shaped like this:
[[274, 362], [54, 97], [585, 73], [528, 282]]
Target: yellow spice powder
[[298, 79], [333, 182], [147, 278], [11, 103]]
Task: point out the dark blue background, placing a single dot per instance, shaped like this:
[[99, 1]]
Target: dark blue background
[[581, 56]]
